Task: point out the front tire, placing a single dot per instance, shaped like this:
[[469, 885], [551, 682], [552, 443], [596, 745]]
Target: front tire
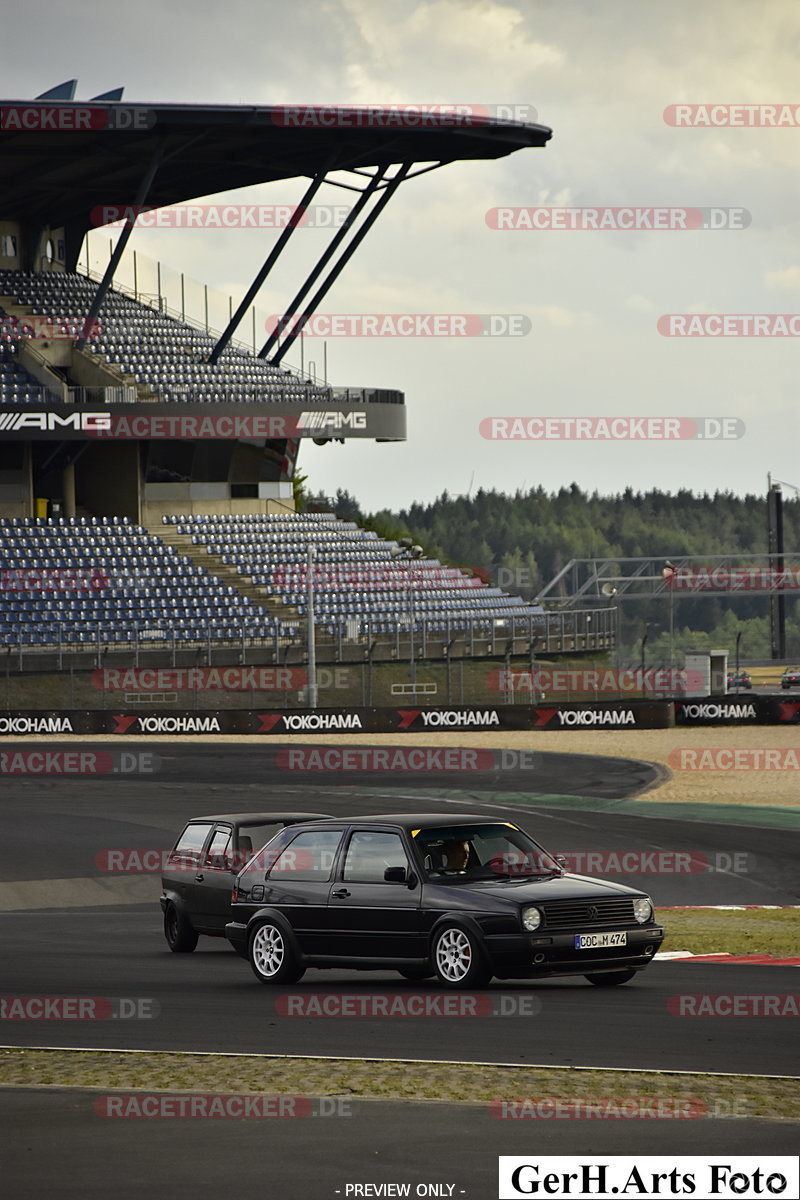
[[272, 958], [178, 930], [458, 959], [610, 978]]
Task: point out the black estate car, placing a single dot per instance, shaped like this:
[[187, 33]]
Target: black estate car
[[738, 681], [790, 677], [198, 876], [462, 899]]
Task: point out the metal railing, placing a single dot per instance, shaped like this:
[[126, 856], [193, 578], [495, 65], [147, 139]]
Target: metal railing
[[570, 632]]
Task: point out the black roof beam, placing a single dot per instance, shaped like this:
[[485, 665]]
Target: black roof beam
[[322, 262], [269, 263], [105, 283], [335, 270]]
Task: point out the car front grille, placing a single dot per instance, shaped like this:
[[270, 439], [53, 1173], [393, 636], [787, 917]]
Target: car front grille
[[562, 914]]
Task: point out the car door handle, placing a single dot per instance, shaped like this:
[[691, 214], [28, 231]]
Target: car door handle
[[200, 877], [340, 894]]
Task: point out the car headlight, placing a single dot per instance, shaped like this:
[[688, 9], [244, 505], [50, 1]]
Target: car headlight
[[531, 919], [642, 910]]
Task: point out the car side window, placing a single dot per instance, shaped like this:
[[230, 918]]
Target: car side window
[[370, 853], [192, 839], [309, 856], [218, 848]]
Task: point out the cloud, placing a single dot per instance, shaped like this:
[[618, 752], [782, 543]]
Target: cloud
[[787, 279]]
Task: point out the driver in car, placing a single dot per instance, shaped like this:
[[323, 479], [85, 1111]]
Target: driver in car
[[456, 857]]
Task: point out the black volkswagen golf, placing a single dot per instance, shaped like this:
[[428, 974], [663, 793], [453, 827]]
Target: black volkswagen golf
[[462, 900]]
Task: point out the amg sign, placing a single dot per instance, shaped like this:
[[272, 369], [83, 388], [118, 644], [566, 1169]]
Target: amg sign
[[323, 419], [272, 420], [52, 422]]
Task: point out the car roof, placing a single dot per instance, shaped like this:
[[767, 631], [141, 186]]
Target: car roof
[[418, 820], [262, 818]]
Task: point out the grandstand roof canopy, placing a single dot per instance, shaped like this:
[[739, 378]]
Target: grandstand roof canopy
[[59, 160]]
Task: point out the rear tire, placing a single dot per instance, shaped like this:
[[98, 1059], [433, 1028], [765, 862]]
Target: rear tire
[[178, 930], [272, 958], [610, 978], [457, 958]]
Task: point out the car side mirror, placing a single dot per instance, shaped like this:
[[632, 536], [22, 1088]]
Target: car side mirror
[[395, 875], [561, 859]]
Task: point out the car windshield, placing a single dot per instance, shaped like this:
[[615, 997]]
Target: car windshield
[[496, 850]]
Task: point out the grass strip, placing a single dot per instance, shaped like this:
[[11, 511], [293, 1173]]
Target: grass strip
[[732, 931], [371, 1080]]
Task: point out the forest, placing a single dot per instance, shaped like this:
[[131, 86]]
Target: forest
[[521, 541]]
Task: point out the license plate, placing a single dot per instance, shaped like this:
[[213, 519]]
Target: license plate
[[596, 941]]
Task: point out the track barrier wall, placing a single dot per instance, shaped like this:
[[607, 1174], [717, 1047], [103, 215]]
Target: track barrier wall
[[409, 719]]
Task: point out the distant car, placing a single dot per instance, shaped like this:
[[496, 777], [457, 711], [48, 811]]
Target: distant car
[[198, 876], [791, 678], [459, 898], [739, 682]]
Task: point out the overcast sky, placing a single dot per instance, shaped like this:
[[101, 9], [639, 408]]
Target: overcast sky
[[600, 75]]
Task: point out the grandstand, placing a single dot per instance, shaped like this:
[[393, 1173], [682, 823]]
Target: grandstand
[[163, 358], [146, 464]]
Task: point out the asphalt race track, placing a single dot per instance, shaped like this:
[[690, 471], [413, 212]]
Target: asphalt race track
[[406, 1142], [70, 929]]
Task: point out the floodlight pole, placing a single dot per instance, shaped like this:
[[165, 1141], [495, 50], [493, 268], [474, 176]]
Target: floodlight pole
[[407, 551], [412, 662], [312, 644]]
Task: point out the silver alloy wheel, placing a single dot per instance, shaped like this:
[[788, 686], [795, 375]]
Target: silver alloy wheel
[[268, 950], [454, 955]]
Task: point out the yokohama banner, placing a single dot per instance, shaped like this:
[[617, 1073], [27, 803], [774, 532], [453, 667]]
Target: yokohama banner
[[280, 722], [634, 714], [738, 710]]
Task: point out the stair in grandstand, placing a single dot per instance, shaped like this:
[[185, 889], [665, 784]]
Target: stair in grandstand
[[35, 353], [230, 576], [134, 344]]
